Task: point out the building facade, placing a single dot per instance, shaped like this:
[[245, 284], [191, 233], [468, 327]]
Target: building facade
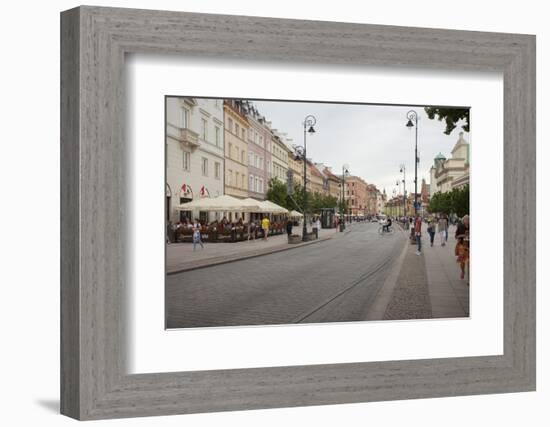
[[259, 153], [317, 183], [356, 195], [446, 174], [334, 183], [236, 149], [279, 157], [194, 153]]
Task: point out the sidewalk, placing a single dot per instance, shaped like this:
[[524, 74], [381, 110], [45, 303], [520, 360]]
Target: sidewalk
[[449, 295], [428, 285], [181, 257]]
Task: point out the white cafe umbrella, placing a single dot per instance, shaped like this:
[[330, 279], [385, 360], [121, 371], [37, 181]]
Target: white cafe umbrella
[[295, 214], [273, 208], [223, 203]]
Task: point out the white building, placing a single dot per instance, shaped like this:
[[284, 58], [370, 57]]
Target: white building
[[194, 153], [446, 174]]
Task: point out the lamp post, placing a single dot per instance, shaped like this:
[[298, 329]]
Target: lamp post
[[309, 122], [396, 196], [345, 172], [404, 181], [412, 116]]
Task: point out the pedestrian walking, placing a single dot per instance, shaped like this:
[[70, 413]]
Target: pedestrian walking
[[431, 231], [418, 234], [462, 253], [197, 236], [462, 248], [442, 226], [289, 227], [316, 227], [265, 227]]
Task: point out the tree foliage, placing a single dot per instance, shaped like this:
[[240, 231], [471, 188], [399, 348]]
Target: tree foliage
[[456, 201], [277, 193], [451, 116]]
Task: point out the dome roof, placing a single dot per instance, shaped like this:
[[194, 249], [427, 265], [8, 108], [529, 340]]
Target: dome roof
[[440, 157]]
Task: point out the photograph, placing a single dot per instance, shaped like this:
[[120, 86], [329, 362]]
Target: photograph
[[286, 212]]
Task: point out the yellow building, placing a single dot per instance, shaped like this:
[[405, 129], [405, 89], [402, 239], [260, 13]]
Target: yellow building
[[236, 148]]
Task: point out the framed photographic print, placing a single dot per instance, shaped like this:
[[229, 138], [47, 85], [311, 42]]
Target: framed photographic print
[[262, 213]]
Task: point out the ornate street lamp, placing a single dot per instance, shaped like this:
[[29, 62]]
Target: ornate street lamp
[[301, 154], [403, 170], [412, 121], [345, 172]]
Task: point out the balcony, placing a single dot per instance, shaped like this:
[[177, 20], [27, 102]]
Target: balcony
[[185, 136]]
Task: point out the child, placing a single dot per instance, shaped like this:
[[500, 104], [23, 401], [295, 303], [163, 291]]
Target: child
[[197, 236], [462, 255]]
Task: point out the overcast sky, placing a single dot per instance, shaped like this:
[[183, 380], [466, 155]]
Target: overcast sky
[[372, 139]]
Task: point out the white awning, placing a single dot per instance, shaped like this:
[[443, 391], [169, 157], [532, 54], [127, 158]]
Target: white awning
[[224, 203]]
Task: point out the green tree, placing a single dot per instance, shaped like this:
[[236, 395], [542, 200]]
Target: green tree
[[451, 116], [456, 201], [277, 193]]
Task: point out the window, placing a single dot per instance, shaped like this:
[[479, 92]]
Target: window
[[217, 135], [236, 179], [204, 129], [236, 129], [229, 125], [204, 166], [251, 158], [250, 182], [256, 184], [184, 118], [186, 161], [229, 148], [262, 141], [243, 181], [217, 170], [261, 166], [244, 135], [261, 189], [243, 157], [229, 177]]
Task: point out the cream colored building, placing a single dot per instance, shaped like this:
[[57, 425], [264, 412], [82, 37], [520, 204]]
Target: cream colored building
[[279, 157], [194, 153], [446, 174], [236, 149], [334, 183], [316, 185]]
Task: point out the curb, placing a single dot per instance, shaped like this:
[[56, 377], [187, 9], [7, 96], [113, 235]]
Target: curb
[[247, 256]]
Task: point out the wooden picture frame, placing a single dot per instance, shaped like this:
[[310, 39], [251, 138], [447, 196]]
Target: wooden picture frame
[[94, 382]]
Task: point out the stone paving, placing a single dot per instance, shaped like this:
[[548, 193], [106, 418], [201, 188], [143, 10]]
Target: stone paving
[[333, 281], [181, 257], [449, 294], [351, 276], [429, 285]]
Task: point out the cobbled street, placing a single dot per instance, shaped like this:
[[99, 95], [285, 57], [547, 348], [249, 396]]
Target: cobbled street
[[331, 281]]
